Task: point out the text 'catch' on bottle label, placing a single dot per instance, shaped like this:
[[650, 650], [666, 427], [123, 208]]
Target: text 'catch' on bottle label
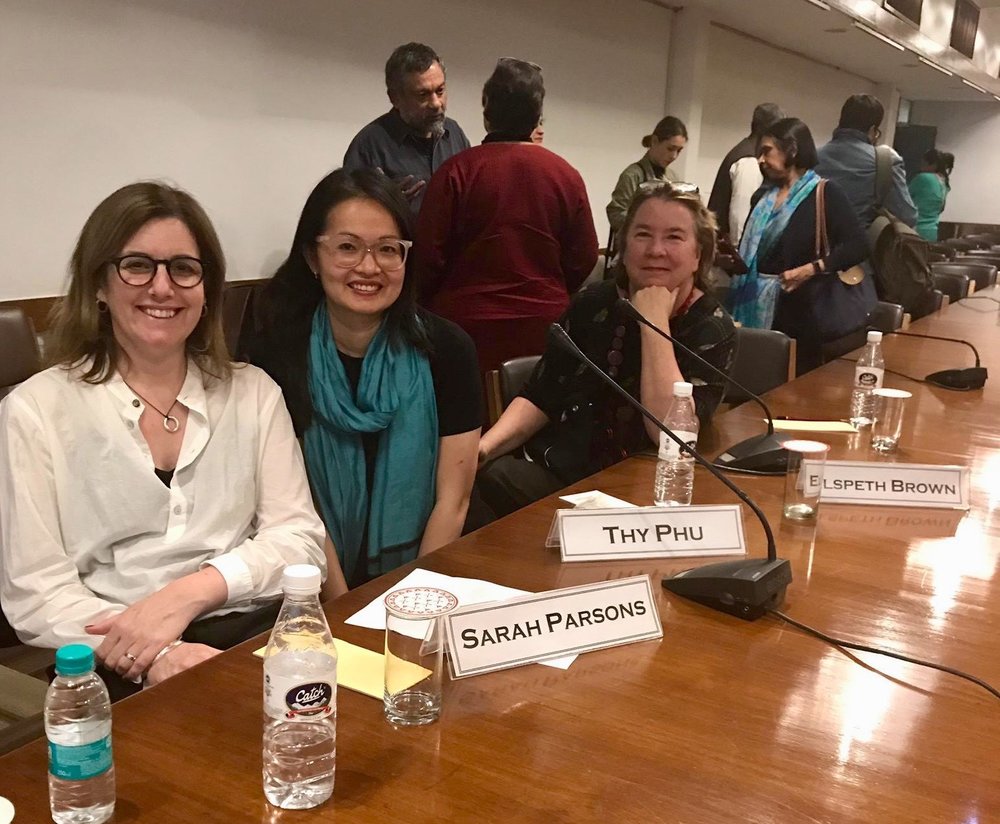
[[290, 698], [868, 377]]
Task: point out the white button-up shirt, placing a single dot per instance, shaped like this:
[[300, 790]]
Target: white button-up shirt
[[86, 527]]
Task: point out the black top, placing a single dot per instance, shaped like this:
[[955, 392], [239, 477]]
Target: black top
[[722, 189], [591, 426], [389, 144], [165, 475], [798, 312]]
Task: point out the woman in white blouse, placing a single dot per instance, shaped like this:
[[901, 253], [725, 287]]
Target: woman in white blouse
[[150, 490]]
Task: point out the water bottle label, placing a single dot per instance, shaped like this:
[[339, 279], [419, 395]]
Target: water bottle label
[[80, 762], [292, 698], [868, 377], [669, 450]]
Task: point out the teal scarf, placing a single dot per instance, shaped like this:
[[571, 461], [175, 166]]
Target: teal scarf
[[395, 397], [752, 299]]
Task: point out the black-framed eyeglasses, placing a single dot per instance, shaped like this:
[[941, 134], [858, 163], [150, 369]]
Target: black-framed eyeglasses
[[517, 61], [139, 270]]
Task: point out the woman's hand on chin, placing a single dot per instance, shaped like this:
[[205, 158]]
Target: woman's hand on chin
[[180, 658], [655, 303]]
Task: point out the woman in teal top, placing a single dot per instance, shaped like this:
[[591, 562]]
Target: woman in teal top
[[929, 191]]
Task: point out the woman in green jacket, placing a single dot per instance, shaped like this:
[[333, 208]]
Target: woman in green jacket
[[929, 191]]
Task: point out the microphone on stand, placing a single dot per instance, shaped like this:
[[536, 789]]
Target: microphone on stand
[[761, 453], [746, 588], [962, 380]]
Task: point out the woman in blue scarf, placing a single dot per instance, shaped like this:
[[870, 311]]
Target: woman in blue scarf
[[792, 285], [385, 396]]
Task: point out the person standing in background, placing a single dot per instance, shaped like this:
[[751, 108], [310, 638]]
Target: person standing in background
[[849, 160], [505, 233], [663, 147], [410, 141], [929, 191], [739, 176]]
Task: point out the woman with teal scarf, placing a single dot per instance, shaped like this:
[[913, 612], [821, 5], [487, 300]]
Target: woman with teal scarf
[[789, 285], [385, 396]]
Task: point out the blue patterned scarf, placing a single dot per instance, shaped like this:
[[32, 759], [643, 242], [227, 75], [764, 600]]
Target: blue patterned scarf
[[752, 298], [395, 397]]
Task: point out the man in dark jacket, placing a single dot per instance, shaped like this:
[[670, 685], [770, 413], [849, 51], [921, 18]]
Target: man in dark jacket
[[739, 176]]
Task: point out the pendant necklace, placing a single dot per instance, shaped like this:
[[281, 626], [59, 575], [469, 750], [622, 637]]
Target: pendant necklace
[[170, 423]]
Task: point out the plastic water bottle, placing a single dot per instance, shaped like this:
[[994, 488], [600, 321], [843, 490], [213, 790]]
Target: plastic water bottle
[[868, 374], [78, 727], [674, 481], [300, 697]]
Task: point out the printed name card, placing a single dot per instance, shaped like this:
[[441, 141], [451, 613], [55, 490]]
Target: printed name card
[[650, 532], [895, 484], [488, 637]]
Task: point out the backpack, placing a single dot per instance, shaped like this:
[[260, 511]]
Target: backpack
[[899, 254]]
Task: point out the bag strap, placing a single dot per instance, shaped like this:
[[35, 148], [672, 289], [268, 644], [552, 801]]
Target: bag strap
[[883, 174], [822, 239]]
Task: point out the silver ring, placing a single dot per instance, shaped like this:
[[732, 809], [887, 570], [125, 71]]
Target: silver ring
[[130, 657]]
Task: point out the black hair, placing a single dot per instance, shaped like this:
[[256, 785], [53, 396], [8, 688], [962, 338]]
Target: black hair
[[513, 97], [862, 112], [668, 127], [763, 116], [289, 300], [407, 59], [793, 137], [942, 163]]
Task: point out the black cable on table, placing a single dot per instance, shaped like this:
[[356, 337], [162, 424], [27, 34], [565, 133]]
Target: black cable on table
[[837, 642]]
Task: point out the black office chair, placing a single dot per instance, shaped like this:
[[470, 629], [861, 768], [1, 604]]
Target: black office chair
[[765, 359], [237, 311], [21, 357], [981, 273], [937, 300], [979, 256], [504, 384], [961, 244], [955, 287], [886, 317], [941, 250], [983, 239]]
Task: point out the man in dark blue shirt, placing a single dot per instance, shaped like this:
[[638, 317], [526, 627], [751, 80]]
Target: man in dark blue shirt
[[412, 139]]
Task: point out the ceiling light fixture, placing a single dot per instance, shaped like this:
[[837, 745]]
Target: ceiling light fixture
[[935, 66], [820, 4], [974, 86], [878, 35]]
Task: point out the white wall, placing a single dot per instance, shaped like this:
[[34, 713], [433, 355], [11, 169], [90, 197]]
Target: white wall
[[247, 103], [971, 131], [744, 72]]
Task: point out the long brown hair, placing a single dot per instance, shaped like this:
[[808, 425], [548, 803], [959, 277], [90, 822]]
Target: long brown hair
[[79, 332]]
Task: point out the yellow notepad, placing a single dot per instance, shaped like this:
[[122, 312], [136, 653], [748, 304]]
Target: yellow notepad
[[363, 671], [813, 426]]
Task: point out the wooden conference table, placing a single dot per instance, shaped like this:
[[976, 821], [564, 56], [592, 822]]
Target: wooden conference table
[[721, 720]]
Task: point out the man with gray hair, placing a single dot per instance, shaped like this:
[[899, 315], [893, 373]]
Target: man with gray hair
[[412, 139]]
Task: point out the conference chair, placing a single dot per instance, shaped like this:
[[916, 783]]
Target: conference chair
[[981, 273], [941, 250], [979, 256], [938, 300], [765, 359], [504, 384], [983, 239], [961, 244], [886, 317], [237, 304], [21, 357], [955, 287]]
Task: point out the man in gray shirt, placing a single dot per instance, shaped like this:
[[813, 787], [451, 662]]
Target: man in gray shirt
[[849, 159], [412, 139]]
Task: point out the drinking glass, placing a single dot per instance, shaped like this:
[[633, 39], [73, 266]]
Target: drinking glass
[[804, 481]]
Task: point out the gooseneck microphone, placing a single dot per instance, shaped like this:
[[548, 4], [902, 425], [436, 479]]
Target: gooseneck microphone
[[761, 453], [962, 380], [746, 588]]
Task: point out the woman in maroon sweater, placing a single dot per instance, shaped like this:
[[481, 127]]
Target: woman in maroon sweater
[[505, 232]]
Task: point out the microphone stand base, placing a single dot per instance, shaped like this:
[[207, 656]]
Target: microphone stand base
[[761, 453], [746, 589]]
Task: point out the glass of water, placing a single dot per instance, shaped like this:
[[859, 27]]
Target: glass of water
[[414, 654], [804, 481], [888, 425]]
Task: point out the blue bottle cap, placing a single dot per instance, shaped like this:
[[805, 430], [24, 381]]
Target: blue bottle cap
[[74, 659]]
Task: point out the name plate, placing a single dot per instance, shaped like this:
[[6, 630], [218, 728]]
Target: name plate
[[650, 532], [894, 484], [531, 628]]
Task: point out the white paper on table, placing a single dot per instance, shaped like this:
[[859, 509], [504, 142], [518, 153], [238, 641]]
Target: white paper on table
[[467, 590], [595, 499]]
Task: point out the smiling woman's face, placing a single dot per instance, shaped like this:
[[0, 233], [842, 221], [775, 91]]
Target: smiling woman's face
[[661, 246]]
